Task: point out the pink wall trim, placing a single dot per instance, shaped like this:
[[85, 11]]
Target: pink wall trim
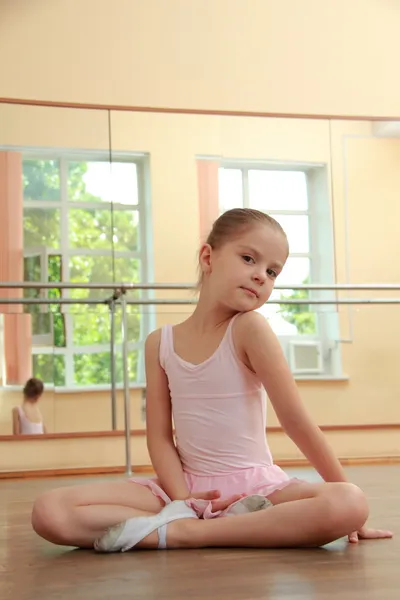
[[207, 179], [17, 325], [17, 348]]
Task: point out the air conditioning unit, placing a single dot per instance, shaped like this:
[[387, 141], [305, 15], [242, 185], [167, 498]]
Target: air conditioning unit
[[305, 357]]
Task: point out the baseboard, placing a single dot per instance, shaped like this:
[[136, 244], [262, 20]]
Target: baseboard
[[148, 470]]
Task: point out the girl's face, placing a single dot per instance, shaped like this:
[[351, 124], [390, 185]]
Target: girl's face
[[242, 273]]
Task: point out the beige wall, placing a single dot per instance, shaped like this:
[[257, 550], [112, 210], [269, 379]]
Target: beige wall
[[366, 201], [309, 56], [188, 55], [173, 142], [70, 453], [365, 174]]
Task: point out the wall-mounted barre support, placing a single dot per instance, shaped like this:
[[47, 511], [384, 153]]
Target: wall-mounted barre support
[[111, 304], [160, 301], [119, 298], [188, 286], [127, 404]]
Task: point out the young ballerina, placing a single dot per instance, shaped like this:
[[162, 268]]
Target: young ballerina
[[27, 419], [217, 484]]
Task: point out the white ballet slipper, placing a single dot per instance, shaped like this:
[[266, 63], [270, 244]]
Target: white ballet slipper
[[247, 504], [124, 536]]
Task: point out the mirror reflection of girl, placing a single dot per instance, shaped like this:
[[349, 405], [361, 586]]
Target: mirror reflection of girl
[[27, 418]]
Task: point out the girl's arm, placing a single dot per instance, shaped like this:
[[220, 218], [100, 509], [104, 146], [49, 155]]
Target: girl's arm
[[265, 357], [16, 424], [160, 442]]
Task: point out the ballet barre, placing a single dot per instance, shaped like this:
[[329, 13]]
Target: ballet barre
[[119, 298]]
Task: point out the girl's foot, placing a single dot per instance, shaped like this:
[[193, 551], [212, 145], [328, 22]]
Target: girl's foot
[[124, 536], [247, 504]]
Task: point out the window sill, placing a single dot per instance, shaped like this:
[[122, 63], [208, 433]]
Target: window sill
[[322, 377], [75, 390]]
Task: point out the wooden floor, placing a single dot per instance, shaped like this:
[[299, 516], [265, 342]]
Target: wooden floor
[[31, 568]]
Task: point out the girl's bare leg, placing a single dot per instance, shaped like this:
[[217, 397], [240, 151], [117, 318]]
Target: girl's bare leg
[[77, 515], [303, 515]]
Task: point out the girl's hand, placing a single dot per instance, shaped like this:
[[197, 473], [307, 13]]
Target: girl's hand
[[369, 534], [216, 502]]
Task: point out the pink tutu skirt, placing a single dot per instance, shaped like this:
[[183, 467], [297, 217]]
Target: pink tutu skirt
[[263, 480]]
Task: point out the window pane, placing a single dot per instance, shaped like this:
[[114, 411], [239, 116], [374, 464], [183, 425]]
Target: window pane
[[126, 230], [94, 369], [296, 270], [32, 268], [60, 336], [302, 316], [54, 267], [41, 179], [292, 319], [51, 325], [41, 314], [99, 269], [32, 273], [42, 227], [133, 356], [54, 271], [92, 229], [296, 228], [134, 321], [277, 190], [50, 368], [115, 182], [41, 323], [91, 326], [230, 189]]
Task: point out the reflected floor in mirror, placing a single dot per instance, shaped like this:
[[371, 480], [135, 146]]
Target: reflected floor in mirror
[[32, 568]]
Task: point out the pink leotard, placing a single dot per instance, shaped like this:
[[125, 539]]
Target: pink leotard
[[219, 412]]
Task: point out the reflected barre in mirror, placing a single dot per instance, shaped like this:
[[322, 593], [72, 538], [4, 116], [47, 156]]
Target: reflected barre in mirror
[[84, 206]]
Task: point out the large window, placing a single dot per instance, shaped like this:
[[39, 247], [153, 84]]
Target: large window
[[297, 197], [84, 221]]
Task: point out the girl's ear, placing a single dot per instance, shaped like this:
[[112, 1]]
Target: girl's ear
[[205, 256]]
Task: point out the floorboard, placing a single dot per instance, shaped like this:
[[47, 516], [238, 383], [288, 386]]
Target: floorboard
[[31, 568]]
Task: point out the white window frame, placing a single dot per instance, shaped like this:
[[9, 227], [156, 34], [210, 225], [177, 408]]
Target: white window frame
[[143, 254], [322, 261]]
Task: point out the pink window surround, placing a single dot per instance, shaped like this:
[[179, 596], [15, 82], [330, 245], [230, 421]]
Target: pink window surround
[[17, 324], [207, 179]]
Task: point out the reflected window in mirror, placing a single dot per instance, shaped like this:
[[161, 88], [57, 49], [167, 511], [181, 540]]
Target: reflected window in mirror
[[297, 196], [84, 222]]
